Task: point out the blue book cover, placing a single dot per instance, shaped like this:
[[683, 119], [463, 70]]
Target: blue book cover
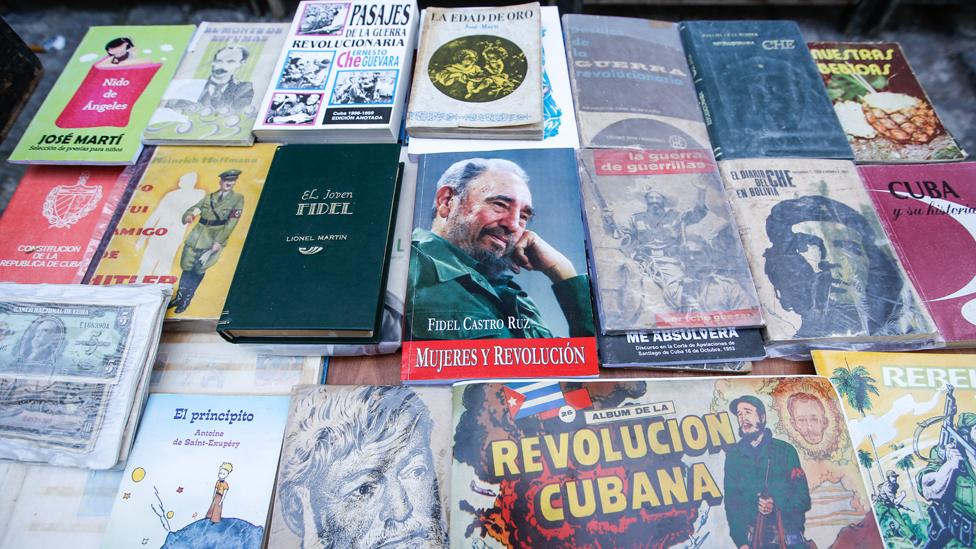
[[760, 91]]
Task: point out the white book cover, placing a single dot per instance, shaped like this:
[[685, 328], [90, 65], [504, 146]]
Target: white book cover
[[557, 105], [345, 65], [201, 473]]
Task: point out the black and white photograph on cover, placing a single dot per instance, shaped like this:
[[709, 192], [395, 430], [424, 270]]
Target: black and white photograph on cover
[[826, 266], [323, 19], [359, 469], [364, 87], [305, 70], [497, 248], [293, 109]]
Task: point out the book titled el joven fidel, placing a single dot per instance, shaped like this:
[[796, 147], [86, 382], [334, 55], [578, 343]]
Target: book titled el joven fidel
[[497, 285], [315, 261]]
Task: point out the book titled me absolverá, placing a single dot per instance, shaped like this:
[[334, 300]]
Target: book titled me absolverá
[[631, 84], [881, 105], [760, 92], [825, 272], [497, 285], [200, 474], [929, 213], [479, 73], [103, 99], [214, 97], [315, 262], [342, 75]]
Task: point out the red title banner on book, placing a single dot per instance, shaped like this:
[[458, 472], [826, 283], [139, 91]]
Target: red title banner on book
[[663, 162], [498, 358]]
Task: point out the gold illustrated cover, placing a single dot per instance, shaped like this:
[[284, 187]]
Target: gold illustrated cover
[[185, 225], [478, 69]]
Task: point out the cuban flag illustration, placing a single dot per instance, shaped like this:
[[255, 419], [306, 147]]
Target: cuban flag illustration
[[542, 398]]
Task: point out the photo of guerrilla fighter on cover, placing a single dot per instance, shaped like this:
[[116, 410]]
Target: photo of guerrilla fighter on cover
[[478, 68], [364, 87], [323, 19], [294, 109], [497, 248], [305, 70], [634, 464]]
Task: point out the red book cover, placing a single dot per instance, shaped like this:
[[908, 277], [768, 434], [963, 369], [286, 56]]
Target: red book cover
[[929, 213], [55, 221], [497, 285]]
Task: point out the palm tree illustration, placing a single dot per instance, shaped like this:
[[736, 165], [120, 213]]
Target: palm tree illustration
[[867, 462], [907, 463], [856, 385]]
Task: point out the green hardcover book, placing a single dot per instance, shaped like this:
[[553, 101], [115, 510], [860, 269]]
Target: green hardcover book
[[100, 104], [315, 261]]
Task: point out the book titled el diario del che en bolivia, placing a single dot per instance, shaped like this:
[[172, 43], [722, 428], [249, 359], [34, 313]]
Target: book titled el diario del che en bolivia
[[498, 284], [315, 263], [101, 102], [479, 74]]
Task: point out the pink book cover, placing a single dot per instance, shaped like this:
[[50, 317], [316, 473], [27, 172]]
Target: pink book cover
[[56, 219], [929, 213]]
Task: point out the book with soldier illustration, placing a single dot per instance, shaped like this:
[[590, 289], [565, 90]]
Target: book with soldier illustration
[[215, 94], [497, 284], [664, 249], [759, 91], [201, 473], [912, 422], [884, 110], [343, 73], [710, 462], [825, 271], [364, 467], [185, 225], [631, 84], [916, 201], [101, 102], [479, 74]]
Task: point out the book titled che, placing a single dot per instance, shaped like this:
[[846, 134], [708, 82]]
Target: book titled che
[[315, 261]]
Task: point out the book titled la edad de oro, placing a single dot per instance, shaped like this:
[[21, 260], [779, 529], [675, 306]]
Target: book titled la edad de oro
[[201, 473], [929, 213], [342, 75], [824, 269], [327, 230], [631, 84], [760, 93], [498, 285], [96, 111], [185, 225], [664, 250], [56, 220], [479, 73], [882, 107], [214, 97]]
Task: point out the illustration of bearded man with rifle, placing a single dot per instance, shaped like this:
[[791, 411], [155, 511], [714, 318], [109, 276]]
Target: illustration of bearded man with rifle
[[766, 491]]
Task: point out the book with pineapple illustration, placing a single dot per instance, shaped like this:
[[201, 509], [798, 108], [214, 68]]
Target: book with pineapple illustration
[[883, 109]]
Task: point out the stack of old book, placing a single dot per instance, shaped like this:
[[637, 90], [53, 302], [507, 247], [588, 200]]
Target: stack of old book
[[74, 376], [485, 83], [670, 278]]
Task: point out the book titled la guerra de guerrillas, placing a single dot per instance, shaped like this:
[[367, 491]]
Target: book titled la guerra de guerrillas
[[497, 285]]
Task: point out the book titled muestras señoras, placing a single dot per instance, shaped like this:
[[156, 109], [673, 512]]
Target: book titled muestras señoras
[[315, 262], [631, 84], [760, 93], [826, 275], [214, 97], [881, 105], [342, 75], [479, 73], [497, 285], [96, 111], [664, 249], [929, 213]]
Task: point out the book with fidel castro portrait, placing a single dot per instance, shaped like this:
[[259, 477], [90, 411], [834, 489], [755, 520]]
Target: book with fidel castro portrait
[[315, 261]]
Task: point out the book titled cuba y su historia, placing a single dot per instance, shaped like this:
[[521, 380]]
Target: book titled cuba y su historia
[[97, 109], [760, 93], [498, 285]]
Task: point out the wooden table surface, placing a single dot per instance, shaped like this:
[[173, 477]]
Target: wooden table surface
[[385, 370]]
